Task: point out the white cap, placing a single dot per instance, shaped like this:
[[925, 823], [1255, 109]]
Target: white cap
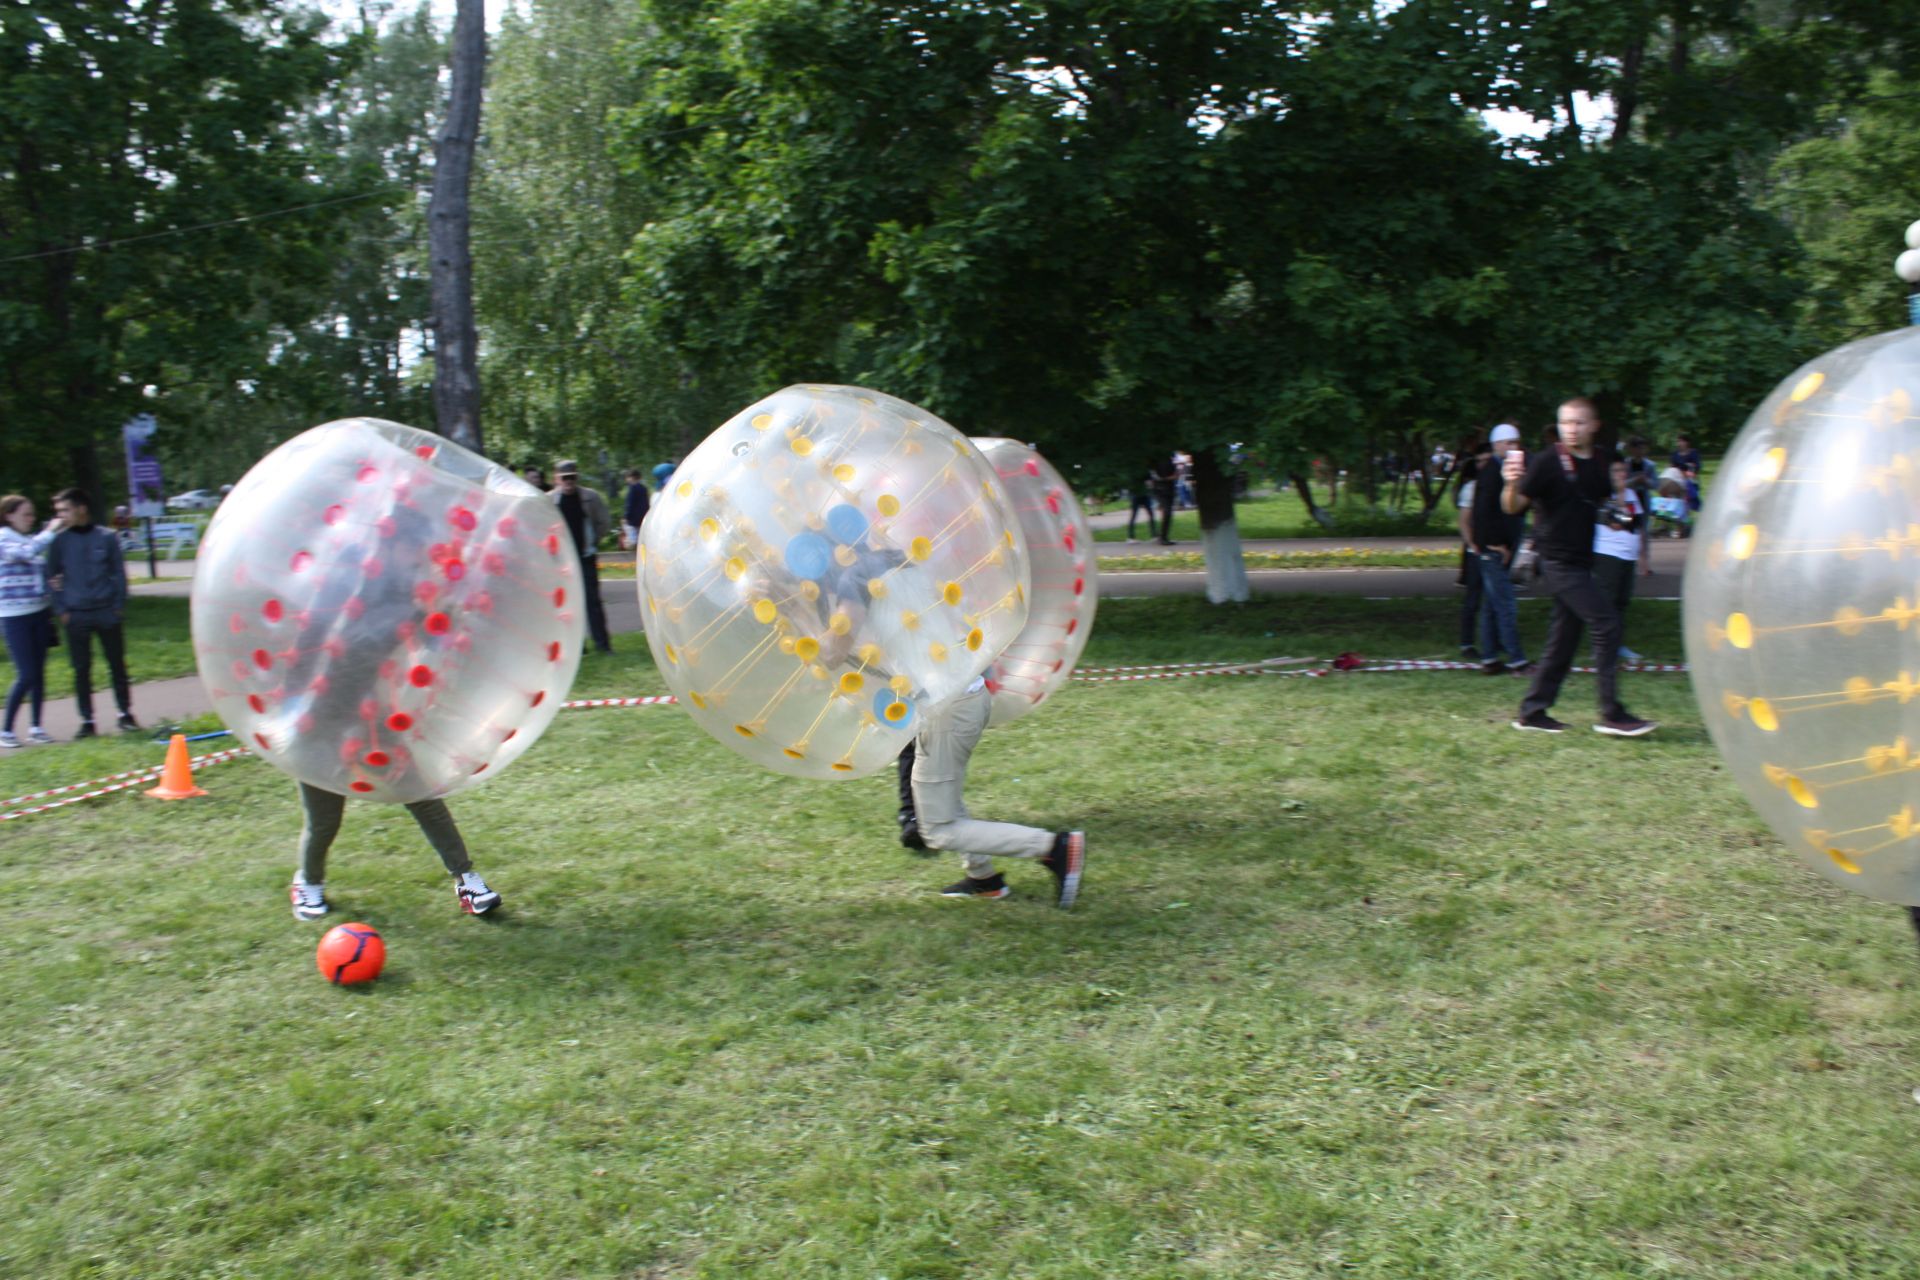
[[1505, 431]]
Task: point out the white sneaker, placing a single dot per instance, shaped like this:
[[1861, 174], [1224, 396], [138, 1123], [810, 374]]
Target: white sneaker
[[1628, 655], [7, 739], [475, 898], [309, 900], [39, 737]]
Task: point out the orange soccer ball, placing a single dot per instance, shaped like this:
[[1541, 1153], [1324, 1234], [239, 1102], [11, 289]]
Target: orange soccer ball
[[351, 953]]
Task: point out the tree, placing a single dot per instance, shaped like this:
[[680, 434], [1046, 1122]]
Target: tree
[[151, 193], [456, 339]]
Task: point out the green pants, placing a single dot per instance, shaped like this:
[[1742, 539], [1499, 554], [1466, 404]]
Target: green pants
[[323, 810]]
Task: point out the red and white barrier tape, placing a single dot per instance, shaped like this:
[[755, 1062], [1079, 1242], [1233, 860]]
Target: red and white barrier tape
[[588, 704], [132, 780]]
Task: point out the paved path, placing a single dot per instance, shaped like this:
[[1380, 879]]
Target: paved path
[[164, 701]]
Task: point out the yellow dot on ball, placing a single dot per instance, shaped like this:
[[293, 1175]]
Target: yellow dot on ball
[[900, 685], [810, 590], [685, 489], [870, 653], [672, 656], [1805, 388], [736, 569], [653, 605], [1007, 537], [852, 682], [802, 445], [1842, 861], [640, 554], [1740, 631], [763, 611], [761, 421], [1802, 794], [920, 548], [843, 556], [806, 648], [1732, 702], [974, 637], [986, 487], [795, 752], [839, 624], [814, 522], [877, 588], [1848, 620], [937, 651], [1858, 689], [909, 619], [788, 644], [1763, 714], [696, 699], [1742, 541], [1771, 466], [951, 593], [743, 731], [844, 473], [895, 711], [841, 766], [888, 505]]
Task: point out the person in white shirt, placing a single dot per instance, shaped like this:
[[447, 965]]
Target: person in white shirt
[[1618, 546]]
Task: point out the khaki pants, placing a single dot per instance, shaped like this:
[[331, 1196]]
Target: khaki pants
[[945, 743]]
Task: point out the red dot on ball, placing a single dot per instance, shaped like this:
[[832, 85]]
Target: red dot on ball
[[262, 659], [553, 544], [420, 677], [372, 568], [424, 592], [399, 722], [301, 559], [1073, 625], [258, 703], [423, 451], [272, 611], [461, 518], [261, 738], [481, 769], [386, 526], [1033, 466], [507, 527], [454, 570], [559, 596], [368, 473], [553, 652], [437, 623], [334, 514], [379, 759], [362, 786], [539, 697], [508, 736]]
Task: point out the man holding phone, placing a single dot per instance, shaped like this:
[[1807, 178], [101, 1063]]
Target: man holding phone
[[1570, 487]]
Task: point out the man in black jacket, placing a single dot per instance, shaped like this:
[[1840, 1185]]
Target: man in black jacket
[[88, 578], [1569, 485]]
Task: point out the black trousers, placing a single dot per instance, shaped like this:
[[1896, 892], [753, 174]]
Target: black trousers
[[1470, 603], [81, 629], [596, 615], [1578, 604], [908, 816]]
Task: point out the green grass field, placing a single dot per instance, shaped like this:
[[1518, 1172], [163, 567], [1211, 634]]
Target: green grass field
[[1361, 983]]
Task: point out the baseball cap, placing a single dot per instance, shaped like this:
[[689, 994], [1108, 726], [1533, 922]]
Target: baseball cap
[[566, 467], [1505, 431]]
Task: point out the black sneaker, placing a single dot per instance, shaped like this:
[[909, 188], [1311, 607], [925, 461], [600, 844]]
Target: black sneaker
[[1540, 722], [1625, 725], [1069, 856], [1493, 668], [994, 886], [127, 723], [910, 838], [1523, 668], [86, 731], [1469, 654], [473, 895]]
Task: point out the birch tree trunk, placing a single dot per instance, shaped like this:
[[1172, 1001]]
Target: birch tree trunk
[[1219, 530], [456, 354]]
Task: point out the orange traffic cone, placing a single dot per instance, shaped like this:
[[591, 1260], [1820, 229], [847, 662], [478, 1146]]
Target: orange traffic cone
[[176, 779]]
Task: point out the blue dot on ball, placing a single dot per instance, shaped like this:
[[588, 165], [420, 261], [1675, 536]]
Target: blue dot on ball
[[808, 555], [846, 524]]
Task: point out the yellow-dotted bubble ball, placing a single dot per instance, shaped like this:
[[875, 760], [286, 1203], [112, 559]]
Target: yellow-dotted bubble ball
[[1802, 614]]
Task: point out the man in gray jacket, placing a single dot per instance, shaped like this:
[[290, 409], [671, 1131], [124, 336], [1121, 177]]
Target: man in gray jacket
[[88, 581], [585, 512]]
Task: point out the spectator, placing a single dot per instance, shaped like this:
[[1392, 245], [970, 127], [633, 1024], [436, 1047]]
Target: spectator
[[1469, 576], [585, 512], [1495, 538], [1687, 458], [1183, 479], [536, 477], [89, 581], [1669, 509], [1569, 484], [1162, 477], [25, 612], [635, 510], [1141, 493], [1641, 472], [1619, 544]]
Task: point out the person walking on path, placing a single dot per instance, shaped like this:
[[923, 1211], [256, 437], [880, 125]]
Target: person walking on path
[[585, 512], [1160, 476], [89, 595], [1495, 537], [26, 612], [322, 811], [1569, 485], [1619, 547], [1479, 467], [635, 508], [1141, 495]]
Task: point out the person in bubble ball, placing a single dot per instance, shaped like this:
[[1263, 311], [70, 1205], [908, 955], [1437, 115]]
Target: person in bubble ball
[[322, 812], [942, 746]]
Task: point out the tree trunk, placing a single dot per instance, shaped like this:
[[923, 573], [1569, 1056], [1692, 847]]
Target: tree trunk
[[456, 354], [1626, 94], [1219, 532]]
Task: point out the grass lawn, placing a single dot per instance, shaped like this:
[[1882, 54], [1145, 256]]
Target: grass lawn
[[1361, 983], [1281, 514]]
